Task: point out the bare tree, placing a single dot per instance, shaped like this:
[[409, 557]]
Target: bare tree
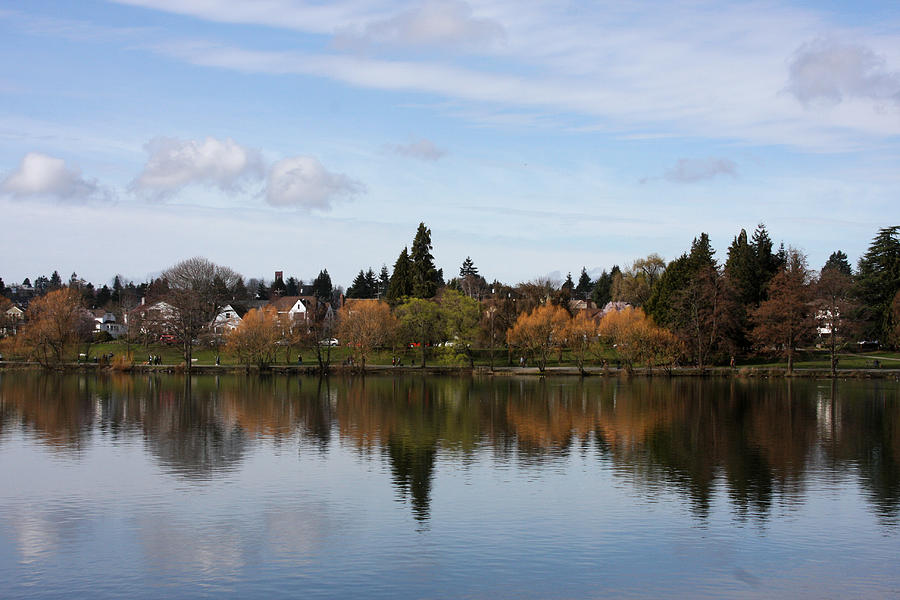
[[198, 288], [835, 309]]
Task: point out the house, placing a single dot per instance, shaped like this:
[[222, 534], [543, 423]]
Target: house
[[105, 321], [292, 307], [151, 319], [580, 305], [11, 319], [613, 306], [228, 319]]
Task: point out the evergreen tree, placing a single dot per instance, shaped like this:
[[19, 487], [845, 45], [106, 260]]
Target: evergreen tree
[[568, 284], [878, 281], [116, 289], [292, 287], [401, 283], [602, 293], [262, 292], [73, 280], [87, 294], [26, 282], [425, 277], [322, 288], [371, 283], [585, 285], [384, 281], [468, 268], [742, 269], [768, 264], [2, 287], [702, 253], [41, 285], [751, 265], [675, 279], [55, 281], [240, 293], [355, 289], [104, 295], [838, 261]]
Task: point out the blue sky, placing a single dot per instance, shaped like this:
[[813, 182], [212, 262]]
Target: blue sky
[[535, 137]]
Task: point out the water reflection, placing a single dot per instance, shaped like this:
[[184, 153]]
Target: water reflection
[[757, 441]]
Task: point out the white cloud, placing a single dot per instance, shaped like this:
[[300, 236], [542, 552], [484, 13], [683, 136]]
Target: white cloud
[[828, 70], [42, 175], [691, 170], [422, 149], [447, 23], [303, 181], [175, 163]]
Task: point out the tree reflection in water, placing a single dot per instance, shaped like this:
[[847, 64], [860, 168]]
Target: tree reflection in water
[[754, 441]]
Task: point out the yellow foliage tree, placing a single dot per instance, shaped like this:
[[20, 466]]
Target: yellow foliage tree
[[364, 325], [56, 322], [539, 332], [637, 338], [581, 337], [255, 340]]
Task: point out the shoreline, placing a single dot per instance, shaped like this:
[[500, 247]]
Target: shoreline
[[730, 372]]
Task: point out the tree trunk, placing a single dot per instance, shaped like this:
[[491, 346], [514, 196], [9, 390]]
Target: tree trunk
[[833, 353]]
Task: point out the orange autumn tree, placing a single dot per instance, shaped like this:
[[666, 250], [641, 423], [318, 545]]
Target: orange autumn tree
[[56, 322], [581, 337], [539, 332], [364, 325], [255, 340], [638, 339]]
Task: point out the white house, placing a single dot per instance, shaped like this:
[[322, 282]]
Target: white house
[[291, 306], [106, 322], [151, 318], [227, 320]]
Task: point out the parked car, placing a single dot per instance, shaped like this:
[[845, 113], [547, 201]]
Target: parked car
[[330, 342]]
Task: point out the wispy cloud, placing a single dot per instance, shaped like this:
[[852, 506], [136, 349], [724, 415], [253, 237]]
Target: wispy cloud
[[692, 170], [422, 149], [622, 73], [828, 71], [440, 23]]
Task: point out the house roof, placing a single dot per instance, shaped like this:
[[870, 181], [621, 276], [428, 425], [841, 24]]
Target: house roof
[[285, 303]]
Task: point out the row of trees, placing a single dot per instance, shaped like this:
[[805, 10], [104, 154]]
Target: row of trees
[[759, 300]]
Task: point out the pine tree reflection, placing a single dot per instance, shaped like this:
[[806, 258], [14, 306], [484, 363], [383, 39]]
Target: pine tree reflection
[[754, 442]]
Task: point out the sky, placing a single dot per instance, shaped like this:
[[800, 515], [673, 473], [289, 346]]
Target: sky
[[537, 137]]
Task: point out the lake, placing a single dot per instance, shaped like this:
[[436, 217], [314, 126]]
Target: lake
[[115, 486]]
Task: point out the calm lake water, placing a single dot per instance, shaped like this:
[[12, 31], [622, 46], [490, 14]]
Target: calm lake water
[[409, 487]]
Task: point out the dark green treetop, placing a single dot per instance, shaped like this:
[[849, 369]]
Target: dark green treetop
[[425, 277], [838, 260]]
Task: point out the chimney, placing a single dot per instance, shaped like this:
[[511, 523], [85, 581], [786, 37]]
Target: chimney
[[279, 275]]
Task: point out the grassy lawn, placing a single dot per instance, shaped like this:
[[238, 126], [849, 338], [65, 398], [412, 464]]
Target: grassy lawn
[[171, 355], [822, 360]]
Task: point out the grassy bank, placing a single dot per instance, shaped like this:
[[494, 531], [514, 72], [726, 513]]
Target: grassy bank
[[442, 359]]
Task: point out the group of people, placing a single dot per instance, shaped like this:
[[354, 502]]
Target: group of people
[[153, 359], [396, 361]]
